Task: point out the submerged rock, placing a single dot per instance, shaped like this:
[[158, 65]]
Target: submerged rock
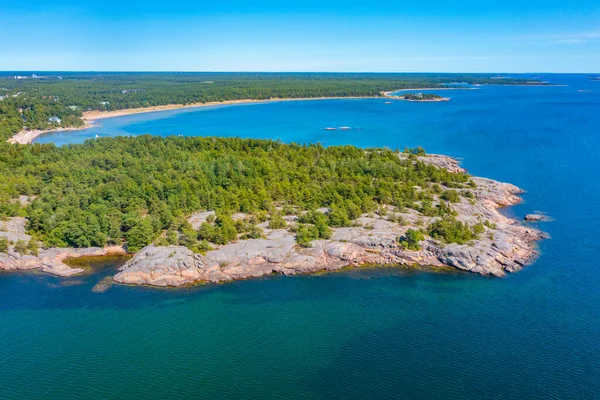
[[536, 217], [103, 285]]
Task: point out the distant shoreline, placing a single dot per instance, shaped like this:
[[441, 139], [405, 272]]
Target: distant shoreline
[[90, 117], [97, 115]]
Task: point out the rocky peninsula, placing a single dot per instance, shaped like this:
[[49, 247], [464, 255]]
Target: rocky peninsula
[[504, 245]]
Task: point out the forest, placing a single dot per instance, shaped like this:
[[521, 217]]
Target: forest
[[138, 190], [42, 101]]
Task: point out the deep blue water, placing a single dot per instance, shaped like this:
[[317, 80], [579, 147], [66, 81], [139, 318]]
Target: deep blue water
[[371, 333]]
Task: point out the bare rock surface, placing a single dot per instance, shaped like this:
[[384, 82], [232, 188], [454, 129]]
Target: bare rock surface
[[14, 229], [439, 160], [162, 266]]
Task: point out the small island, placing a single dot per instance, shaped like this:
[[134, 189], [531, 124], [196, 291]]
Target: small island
[[424, 97], [203, 209]]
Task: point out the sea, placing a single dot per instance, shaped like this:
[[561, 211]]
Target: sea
[[370, 333]]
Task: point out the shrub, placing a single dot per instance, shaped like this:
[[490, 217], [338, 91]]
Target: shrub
[[226, 229], [222, 232], [21, 247], [478, 228], [140, 235], [353, 210], [306, 234], [416, 150], [489, 224], [261, 216], [288, 210], [320, 223], [397, 218], [203, 247], [411, 239], [188, 237], [172, 237], [449, 230], [451, 196], [277, 221], [206, 232], [253, 233], [338, 217], [32, 247]]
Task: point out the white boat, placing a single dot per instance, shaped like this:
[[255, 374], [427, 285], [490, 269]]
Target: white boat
[[330, 129]]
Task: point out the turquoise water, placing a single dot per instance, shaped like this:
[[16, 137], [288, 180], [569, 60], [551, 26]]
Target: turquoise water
[[370, 333]]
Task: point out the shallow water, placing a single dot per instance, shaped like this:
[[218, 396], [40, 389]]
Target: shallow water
[[372, 333]]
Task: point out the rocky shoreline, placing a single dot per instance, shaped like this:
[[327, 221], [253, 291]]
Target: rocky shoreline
[[505, 246]]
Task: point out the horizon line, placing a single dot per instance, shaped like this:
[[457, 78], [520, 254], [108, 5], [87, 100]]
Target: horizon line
[[292, 72]]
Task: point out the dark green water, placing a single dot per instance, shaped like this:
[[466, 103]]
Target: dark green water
[[368, 333]]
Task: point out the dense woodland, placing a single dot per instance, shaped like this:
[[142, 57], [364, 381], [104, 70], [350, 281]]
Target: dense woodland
[[33, 102], [135, 191], [140, 189]]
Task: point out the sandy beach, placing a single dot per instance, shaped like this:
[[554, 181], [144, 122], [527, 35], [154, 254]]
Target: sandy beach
[[96, 115], [27, 136]]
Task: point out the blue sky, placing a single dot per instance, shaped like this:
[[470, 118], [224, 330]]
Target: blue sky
[[325, 35]]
